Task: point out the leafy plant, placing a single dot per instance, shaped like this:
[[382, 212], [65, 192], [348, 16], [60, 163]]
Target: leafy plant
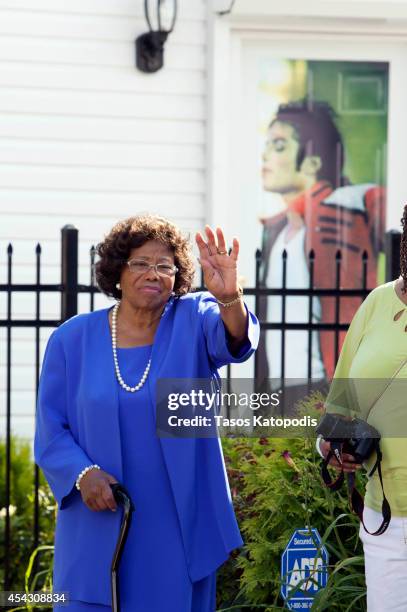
[[277, 488], [22, 501]]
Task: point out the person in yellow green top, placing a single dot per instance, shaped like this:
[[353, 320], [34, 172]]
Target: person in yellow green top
[[373, 364]]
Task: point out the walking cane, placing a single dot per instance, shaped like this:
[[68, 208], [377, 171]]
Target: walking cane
[[123, 498]]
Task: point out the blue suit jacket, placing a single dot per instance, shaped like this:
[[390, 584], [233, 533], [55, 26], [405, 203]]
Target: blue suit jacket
[[77, 424]]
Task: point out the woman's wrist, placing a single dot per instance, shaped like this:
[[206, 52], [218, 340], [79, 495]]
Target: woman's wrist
[[235, 321], [230, 300], [85, 471]]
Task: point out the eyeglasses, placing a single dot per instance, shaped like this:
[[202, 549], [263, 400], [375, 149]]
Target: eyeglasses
[[138, 266]]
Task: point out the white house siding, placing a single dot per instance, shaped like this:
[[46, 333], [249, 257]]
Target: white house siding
[[87, 139]]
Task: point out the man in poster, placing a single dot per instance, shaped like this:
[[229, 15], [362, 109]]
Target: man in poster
[[303, 161]]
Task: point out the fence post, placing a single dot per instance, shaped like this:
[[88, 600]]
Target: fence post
[[69, 272], [257, 309], [392, 252]]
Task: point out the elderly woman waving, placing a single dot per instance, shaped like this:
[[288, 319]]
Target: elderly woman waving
[[95, 422]]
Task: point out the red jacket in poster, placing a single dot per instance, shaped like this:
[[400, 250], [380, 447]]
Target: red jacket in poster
[[350, 219]]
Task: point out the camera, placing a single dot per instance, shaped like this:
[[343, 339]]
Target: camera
[[357, 437]]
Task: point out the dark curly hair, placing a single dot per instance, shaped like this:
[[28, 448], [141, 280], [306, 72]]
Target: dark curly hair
[[403, 250], [317, 134], [132, 233]]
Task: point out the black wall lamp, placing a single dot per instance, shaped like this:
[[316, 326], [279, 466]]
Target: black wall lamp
[[150, 46]]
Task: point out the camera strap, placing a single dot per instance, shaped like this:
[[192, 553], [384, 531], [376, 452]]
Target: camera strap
[[356, 500], [335, 451]]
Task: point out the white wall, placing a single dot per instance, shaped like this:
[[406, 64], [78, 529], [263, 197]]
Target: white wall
[[85, 138]]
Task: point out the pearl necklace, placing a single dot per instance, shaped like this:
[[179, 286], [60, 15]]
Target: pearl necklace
[[116, 361]]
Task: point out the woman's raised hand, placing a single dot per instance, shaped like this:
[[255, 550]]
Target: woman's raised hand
[[96, 491], [219, 268]]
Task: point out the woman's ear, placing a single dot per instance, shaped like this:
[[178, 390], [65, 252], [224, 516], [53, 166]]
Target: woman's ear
[[311, 165]]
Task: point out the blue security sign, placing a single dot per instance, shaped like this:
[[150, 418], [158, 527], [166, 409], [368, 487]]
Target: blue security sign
[[303, 569]]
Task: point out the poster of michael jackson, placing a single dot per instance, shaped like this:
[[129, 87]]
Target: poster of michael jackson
[[323, 131]]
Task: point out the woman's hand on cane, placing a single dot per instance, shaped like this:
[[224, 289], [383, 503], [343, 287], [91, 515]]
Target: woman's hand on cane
[[96, 491]]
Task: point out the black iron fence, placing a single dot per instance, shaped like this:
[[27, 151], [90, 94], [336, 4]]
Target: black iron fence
[[69, 289]]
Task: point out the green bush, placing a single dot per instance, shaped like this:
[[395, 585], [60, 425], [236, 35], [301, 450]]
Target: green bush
[[276, 488], [22, 513]]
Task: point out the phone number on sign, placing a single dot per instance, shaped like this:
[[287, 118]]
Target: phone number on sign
[[11, 598]]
